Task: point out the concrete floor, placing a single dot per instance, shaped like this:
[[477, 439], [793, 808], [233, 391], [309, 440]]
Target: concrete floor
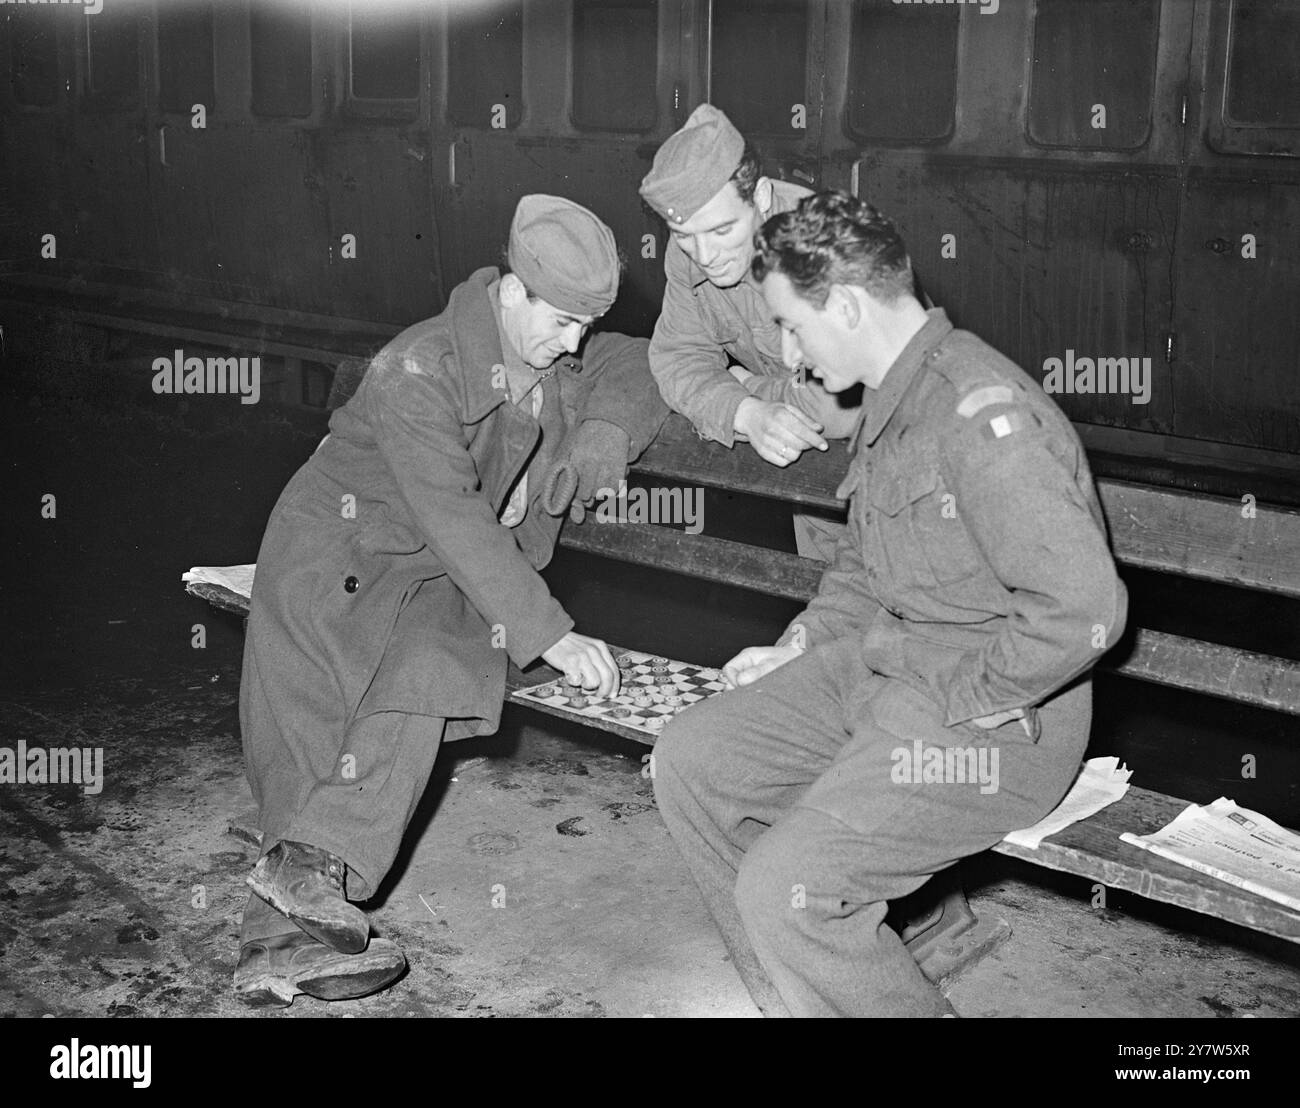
[[537, 879]]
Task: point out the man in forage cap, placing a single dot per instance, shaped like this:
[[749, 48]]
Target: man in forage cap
[[706, 184], [400, 570]]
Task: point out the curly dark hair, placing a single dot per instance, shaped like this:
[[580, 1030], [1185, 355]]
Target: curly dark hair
[[833, 238]]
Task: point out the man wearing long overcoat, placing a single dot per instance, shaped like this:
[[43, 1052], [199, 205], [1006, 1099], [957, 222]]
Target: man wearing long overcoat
[[400, 570]]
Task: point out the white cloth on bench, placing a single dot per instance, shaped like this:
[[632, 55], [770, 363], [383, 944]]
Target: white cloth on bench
[[238, 579]]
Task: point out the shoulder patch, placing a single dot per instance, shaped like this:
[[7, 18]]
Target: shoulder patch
[[1000, 426], [986, 397]]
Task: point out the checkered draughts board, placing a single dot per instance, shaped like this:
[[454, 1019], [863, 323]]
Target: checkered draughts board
[[653, 690]]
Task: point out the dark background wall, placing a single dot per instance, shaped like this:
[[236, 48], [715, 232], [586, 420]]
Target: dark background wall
[[415, 128]]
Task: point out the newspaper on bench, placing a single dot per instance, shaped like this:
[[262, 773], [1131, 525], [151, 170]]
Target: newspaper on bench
[[1233, 844]]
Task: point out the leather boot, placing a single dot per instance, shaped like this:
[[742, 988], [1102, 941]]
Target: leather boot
[[271, 972], [305, 883]]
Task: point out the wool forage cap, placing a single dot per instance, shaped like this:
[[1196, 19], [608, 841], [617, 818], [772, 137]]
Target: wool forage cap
[[564, 254], [693, 165]]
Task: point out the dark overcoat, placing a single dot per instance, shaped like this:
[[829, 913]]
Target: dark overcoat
[[385, 581]]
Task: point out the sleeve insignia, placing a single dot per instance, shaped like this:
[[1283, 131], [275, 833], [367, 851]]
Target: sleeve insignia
[[984, 398], [1000, 426]]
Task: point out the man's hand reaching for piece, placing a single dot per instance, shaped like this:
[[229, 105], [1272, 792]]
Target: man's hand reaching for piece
[[586, 661]]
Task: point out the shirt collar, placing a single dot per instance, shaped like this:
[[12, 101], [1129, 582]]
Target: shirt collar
[[477, 341], [510, 357], [880, 404]]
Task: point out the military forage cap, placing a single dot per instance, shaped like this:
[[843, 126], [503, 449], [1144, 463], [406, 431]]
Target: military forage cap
[[693, 165], [564, 254]]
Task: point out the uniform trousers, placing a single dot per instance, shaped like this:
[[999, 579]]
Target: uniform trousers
[[785, 799], [352, 793]]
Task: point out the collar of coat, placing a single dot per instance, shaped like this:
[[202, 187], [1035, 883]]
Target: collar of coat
[[476, 342], [878, 408]]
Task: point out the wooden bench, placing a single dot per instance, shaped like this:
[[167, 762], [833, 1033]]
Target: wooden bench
[[291, 337], [1192, 535]]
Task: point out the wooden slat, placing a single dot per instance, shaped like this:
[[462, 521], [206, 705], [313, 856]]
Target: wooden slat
[[678, 454], [1243, 676], [1260, 680], [711, 559], [1092, 849], [1206, 537], [1159, 529], [1164, 659], [125, 299], [261, 330], [219, 596]]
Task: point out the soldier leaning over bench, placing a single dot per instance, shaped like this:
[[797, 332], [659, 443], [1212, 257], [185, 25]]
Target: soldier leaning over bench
[[706, 184], [967, 603], [397, 565]]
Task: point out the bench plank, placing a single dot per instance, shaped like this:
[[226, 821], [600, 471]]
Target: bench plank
[[1245, 676], [679, 454], [1189, 534], [773, 572], [219, 596], [1205, 537], [213, 323], [1178, 662], [1092, 849], [1156, 656]]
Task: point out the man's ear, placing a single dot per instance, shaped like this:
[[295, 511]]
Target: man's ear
[[763, 194], [846, 305], [512, 291]]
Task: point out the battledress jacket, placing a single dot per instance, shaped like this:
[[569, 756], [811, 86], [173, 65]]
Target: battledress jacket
[[385, 581], [975, 565]]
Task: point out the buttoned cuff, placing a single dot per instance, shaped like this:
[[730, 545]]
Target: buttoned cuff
[[730, 399]]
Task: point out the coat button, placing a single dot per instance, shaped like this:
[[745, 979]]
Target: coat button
[[351, 584]]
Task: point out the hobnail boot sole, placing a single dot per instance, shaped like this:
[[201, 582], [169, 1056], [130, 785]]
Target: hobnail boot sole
[[371, 975], [266, 991], [362, 975]]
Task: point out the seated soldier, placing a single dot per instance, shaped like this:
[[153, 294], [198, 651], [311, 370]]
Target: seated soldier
[[935, 694], [400, 568]]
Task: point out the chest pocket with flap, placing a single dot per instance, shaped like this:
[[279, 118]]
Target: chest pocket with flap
[[919, 522]]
